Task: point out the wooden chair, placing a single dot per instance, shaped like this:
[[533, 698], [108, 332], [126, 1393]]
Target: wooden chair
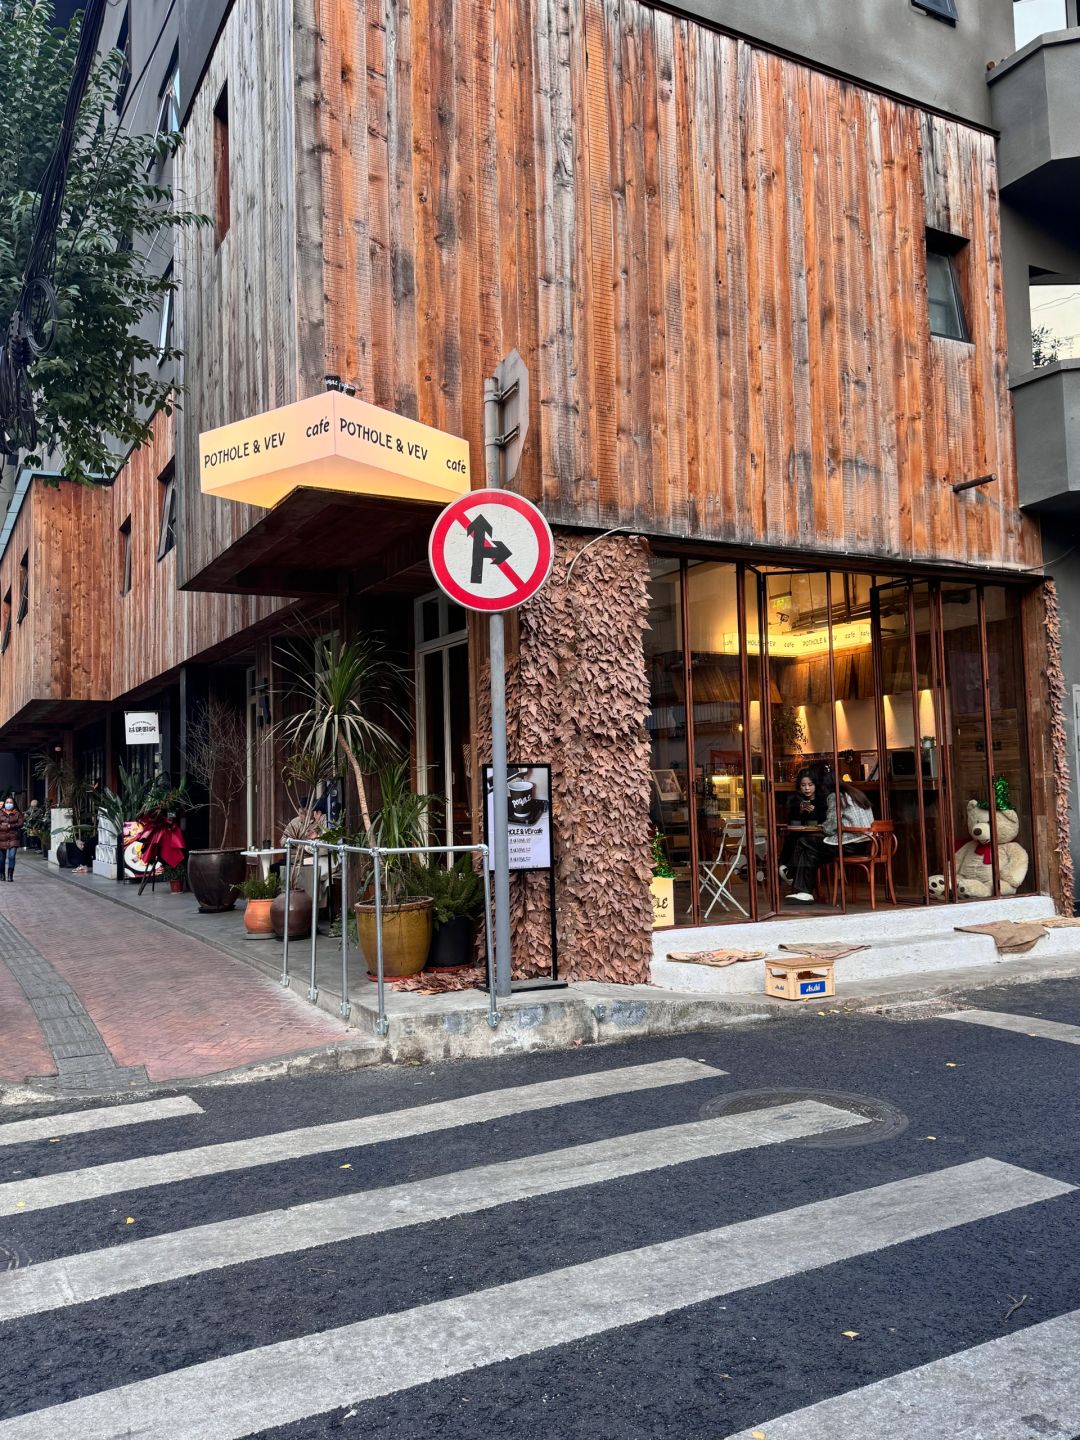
[[883, 846]]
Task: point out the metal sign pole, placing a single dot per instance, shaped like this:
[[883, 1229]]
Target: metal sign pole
[[497, 663]]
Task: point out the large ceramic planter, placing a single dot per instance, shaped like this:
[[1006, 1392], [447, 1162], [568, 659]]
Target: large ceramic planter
[[406, 937], [453, 946], [213, 876], [299, 917], [257, 919]]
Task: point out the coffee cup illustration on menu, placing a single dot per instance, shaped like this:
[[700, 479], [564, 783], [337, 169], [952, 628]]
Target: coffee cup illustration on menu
[[522, 792]]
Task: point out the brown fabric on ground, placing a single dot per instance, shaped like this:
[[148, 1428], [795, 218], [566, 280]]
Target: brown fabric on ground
[[714, 957], [1012, 937], [827, 950]]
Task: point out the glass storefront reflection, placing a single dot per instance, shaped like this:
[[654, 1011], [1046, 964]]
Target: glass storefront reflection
[[780, 690]]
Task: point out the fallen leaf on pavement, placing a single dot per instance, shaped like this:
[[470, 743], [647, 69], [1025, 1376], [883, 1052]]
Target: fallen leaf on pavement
[[950, 1064], [757, 1434], [850, 1334], [929, 1137], [130, 1220], [344, 1167]]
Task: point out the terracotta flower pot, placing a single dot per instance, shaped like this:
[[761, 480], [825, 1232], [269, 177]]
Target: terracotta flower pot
[[257, 918], [299, 914], [176, 886], [406, 937], [213, 876]]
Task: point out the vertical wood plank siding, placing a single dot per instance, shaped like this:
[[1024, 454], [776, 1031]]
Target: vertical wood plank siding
[[712, 258], [81, 639]]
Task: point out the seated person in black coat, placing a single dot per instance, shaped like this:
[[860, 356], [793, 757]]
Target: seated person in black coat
[[806, 807]]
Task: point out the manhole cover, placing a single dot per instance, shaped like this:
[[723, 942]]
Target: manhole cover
[[11, 1257], [883, 1121]]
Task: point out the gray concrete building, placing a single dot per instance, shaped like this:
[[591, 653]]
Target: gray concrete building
[[1035, 107]]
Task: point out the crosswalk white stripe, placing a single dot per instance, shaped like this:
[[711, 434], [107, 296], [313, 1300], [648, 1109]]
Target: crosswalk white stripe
[[94, 1274], [1022, 1385], [240, 1395], [20, 1197], [81, 1122], [1019, 1024]]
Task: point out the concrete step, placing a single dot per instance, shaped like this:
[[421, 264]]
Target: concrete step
[[898, 942]]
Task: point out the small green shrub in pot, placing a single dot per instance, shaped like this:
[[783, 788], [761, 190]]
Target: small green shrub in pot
[[457, 893], [256, 888]]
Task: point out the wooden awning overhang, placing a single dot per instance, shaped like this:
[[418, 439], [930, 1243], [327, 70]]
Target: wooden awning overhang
[[321, 543], [39, 720]]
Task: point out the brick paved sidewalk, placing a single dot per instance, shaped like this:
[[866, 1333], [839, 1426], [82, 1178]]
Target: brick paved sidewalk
[[87, 983]]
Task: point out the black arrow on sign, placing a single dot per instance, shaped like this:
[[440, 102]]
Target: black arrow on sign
[[484, 548]]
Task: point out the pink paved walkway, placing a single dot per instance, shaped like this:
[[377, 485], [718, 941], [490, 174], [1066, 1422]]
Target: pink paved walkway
[[158, 998], [23, 1050]]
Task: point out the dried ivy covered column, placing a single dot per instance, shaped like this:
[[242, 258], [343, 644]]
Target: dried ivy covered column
[[577, 697]]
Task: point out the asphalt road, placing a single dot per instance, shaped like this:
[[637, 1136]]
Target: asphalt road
[[704, 1339]]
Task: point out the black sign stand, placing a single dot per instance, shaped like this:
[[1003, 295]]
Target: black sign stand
[[541, 982]]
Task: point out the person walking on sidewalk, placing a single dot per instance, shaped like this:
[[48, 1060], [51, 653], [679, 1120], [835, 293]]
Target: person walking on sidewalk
[[11, 821]]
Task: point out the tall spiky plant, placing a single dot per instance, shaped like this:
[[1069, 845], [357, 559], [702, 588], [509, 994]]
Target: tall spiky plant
[[342, 688]]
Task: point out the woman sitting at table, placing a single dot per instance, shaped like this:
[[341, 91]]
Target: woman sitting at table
[[813, 850], [806, 807]]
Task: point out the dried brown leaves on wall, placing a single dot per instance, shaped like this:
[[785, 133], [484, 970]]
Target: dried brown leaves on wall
[[1055, 685], [577, 698]]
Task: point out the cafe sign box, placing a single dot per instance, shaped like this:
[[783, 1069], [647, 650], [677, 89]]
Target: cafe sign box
[[332, 442], [142, 727]]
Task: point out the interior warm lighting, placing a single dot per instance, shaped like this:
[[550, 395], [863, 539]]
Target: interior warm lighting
[[332, 442]]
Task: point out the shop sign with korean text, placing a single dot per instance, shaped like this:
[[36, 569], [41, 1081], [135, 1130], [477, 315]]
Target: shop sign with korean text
[[142, 727]]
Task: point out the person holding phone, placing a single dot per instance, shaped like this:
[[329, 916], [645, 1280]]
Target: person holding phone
[[806, 809]]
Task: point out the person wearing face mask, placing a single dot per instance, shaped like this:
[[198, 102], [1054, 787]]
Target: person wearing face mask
[[11, 821]]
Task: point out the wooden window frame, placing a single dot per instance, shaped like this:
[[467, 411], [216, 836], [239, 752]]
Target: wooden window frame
[[951, 249], [125, 557], [222, 198], [167, 522], [943, 10], [24, 587], [5, 638]]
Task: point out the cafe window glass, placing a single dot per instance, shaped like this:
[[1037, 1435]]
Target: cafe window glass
[[1008, 731], [671, 792], [731, 830]]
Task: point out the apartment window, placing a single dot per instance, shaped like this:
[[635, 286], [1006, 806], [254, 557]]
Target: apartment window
[[943, 287], [5, 639], [1055, 317], [169, 107], [165, 328], [221, 166], [24, 586], [939, 9], [167, 529], [123, 44], [125, 556]]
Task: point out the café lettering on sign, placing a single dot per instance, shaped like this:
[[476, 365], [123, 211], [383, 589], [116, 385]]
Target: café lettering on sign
[[332, 442]]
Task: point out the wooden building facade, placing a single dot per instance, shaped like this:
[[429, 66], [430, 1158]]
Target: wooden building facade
[[714, 259]]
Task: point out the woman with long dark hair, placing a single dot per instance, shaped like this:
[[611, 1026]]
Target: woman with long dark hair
[[813, 851]]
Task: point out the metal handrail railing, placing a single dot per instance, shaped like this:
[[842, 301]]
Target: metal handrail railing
[[377, 854]]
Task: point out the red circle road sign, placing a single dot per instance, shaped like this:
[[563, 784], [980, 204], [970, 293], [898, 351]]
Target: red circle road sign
[[491, 550]]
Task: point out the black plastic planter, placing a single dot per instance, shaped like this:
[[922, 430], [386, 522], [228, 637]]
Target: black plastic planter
[[452, 945]]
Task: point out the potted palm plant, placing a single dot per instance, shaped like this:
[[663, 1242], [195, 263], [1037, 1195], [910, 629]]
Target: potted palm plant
[[216, 757], [400, 822]]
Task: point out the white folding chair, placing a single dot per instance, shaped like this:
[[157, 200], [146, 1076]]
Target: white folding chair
[[716, 874]]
